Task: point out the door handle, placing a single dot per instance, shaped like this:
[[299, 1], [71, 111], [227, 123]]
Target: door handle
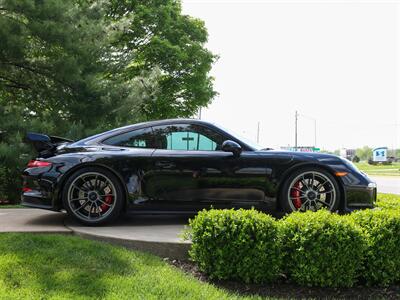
[[165, 164]]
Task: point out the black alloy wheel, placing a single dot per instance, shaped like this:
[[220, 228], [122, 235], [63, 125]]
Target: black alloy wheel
[[310, 189], [93, 196]]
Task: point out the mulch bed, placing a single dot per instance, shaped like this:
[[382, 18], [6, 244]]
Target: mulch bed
[[286, 290]]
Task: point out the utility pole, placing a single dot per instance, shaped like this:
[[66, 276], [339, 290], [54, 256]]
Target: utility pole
[[295, 131], [315, 133], [200, 113], [258, 132]]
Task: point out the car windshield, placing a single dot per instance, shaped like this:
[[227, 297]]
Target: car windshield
[[247, 141]]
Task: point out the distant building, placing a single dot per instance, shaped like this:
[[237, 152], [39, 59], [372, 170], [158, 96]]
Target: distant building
[[348, 153]]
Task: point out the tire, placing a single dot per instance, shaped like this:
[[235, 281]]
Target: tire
[[93, 196], [310, 189]]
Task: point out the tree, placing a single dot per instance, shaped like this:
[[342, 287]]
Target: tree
[[51, 56], [156, 34], [67, 57], [364, 153]]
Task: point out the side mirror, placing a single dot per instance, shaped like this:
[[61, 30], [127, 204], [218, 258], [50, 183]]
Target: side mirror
[[231, 146]]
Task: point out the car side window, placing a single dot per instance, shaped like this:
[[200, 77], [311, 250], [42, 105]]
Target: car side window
[[187, 137], [140, 138]]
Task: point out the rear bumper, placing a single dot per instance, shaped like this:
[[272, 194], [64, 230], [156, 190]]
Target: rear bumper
[[39, 192], [35, 200]]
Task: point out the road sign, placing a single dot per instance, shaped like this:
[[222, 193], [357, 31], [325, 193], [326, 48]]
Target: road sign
[[379, 154]]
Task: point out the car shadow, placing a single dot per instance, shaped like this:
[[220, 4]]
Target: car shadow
[[55, 219]]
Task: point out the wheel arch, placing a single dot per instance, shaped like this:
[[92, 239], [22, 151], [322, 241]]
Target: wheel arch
[[64, 178], [300, 166]]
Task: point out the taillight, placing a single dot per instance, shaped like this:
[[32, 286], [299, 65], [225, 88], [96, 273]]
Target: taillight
[[38, 164]]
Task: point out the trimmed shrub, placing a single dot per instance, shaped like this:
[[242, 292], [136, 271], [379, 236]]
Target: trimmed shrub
[[322, 249], [236, 244], [388, 201], [382, 258]]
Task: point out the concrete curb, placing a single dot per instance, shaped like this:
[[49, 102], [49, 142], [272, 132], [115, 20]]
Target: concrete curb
[[152, 239], [171, 250]]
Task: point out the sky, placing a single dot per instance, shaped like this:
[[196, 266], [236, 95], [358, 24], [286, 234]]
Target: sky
[[336, 62]]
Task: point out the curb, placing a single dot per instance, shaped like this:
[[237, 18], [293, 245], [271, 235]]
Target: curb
[[177, 251], [171, 250]]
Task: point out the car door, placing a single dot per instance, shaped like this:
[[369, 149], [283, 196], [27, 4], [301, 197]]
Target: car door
[[191, 171], [134, 149]]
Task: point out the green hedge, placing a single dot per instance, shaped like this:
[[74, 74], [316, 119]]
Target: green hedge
[[382, 259], [314, 249], [322, 249], [388, 201], [236, 244]]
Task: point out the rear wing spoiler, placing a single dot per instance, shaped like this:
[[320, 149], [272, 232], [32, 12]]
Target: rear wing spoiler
[[45, 145]]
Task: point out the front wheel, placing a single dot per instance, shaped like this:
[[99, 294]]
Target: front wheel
[[310, 189], [93, 196]]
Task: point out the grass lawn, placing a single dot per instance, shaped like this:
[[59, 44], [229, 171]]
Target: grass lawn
[[380, 170], [64, 267]]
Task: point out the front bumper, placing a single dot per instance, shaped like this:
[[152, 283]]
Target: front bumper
[[357, 198], [361, 193]]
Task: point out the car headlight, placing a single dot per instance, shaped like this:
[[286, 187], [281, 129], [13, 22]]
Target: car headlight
[[372, 185]]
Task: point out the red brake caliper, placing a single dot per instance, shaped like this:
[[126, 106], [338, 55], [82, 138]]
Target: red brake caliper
[[108, 200], [295, 193]]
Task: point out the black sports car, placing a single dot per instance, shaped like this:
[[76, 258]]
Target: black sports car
[[182, 166]]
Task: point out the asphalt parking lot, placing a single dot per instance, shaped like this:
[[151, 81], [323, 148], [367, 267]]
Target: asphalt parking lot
[[387, 184]]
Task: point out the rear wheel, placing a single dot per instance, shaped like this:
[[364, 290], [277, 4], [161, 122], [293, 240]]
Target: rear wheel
[[93, 196], [310, 189]]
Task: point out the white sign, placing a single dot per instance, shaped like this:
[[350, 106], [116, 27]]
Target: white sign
[[379, 154]]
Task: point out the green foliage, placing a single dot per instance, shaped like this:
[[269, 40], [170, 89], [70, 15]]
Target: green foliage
[[388, 201], [382, 259], [322, 249], [156, 34], [236, 244], [364, 153], [52, 56], [312, 248], [380, 169], [3, 179], [34, 266]]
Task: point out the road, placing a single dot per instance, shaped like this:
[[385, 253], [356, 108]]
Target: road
[[387, 184]]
